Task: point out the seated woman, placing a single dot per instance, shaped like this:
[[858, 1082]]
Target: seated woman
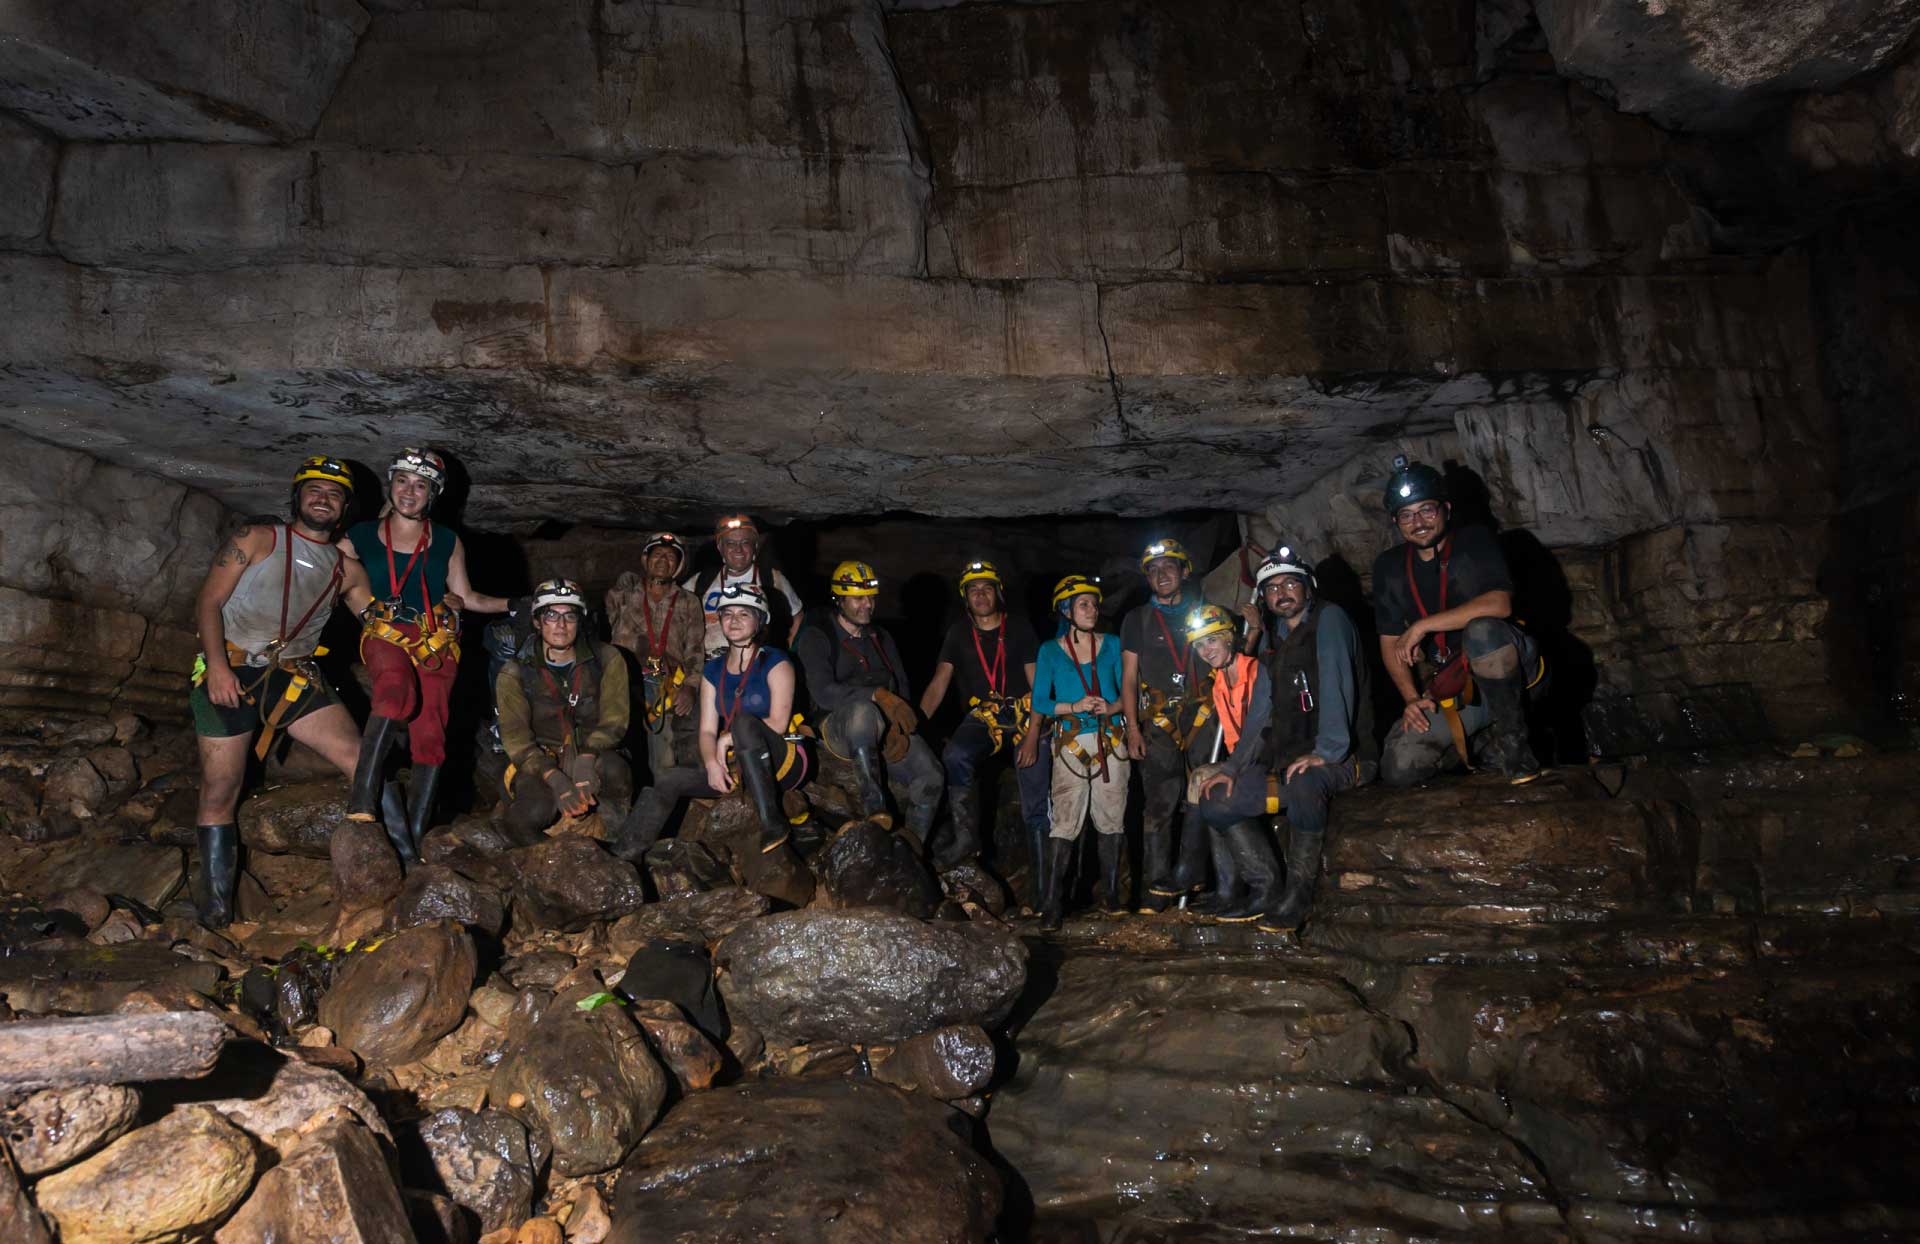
[[746, 701], [1233, 792]]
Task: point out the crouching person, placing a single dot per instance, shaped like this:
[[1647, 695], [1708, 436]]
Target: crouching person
[[563, 710], [1232, 793]]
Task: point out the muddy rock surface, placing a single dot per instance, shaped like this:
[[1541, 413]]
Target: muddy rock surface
[[295, 820], [332, 1187], [436, 892], [164, 1183], [570, 881], [57, 1127], [867, 866], [486, 1161], [391, 1004]]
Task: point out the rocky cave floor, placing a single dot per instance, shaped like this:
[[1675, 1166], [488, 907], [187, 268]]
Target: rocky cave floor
[[1656, 999]]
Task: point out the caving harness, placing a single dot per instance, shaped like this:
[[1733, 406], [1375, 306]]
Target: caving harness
[[301, 671], [1109, 732], [438, 640], [1171, 711], [654, 668], [784, 774], [1449, 676], [1002, 716]]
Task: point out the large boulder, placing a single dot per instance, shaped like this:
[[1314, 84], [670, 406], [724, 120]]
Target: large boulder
[[74, 789], [486, 1162], [699, 916], [867, 976], [366, 870], [84, 979], [146, 874], [167, 1182], [269, 1095], [391, 1004], [57, 1127], [295, 820], [437, 892], [585, 1078], [867, 866], [569, 882], [806, 1162], [333, 1187], [948, 1063]]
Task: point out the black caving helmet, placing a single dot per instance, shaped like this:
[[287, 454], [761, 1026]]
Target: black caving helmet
[[1411, 483]]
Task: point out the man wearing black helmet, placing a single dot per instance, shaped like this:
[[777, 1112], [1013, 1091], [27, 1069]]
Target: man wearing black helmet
[[260, 613], [1443, 602], [660, 623], [410, 643], [563, 711], [993, 657]]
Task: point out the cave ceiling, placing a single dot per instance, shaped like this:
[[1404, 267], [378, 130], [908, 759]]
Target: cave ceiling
[[627, 262]]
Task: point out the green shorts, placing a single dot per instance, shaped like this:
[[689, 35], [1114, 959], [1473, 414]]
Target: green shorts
[[213, 722]]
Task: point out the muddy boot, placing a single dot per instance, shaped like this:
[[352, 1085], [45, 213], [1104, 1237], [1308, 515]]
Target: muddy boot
[[964, 804], [1156, 863], [1259, 868], [1190, 868], [393, 815], [919, 826], [1227, 890], [1059, 858], [422, 785], [1507, 749], [1303, 874], [219, 870], [363, 803], [870, 775], [1113, 850], [633, 837]]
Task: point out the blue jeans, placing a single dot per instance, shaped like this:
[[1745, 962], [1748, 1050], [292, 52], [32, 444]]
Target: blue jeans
[[972, 744]]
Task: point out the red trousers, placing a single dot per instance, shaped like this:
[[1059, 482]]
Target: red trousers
[[411, 693]]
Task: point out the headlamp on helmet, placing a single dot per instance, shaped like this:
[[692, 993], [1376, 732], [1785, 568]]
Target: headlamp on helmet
[[980, 572], [733, 522], [744, 596], [1282, 561], [1208, 620], [1166, 548], [558, 593], [1411, 483], [425, 463], [1075, 585], [321, 467], [666, 540], [854, 578]]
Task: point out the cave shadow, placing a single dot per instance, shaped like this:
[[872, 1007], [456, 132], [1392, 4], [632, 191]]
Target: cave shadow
[[1043, 977]]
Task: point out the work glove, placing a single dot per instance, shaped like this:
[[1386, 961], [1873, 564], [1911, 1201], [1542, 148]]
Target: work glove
[[584, 769], [898, 712], [571, 799]]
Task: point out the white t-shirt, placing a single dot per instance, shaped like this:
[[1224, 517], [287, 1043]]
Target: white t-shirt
[[710, 601]]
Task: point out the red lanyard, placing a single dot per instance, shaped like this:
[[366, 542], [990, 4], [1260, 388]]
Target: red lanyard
[[739, 688], [656, 646], [566, 702], [866, 665], [396, 580], [1413, 586], [1174, 650], [286, 587], [997, 672], [1090, 687]]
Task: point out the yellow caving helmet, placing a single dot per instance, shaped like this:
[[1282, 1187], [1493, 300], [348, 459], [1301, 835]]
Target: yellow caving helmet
[[331, 470], [1208, 620], [1165, 548], [852, 578], [980, 572], [1075, 585]]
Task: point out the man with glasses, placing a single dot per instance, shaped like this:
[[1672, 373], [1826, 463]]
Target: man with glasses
[[563, 712], [739, 541], [1443, 603]]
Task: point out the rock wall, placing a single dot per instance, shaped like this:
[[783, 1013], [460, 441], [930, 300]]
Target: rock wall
[[98, 570]]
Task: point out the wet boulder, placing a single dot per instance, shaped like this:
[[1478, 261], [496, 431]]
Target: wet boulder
[[165, 1182], [437, 892], [392, 1003], [57, 1127], [730, 829], [332, 1187], [569, 882], [73, 789], [486, 1162], [690, 1057], [948, 1063], [584, 1077], [867, 976], [366, 870], [867, 866], [83, 979], [806, 1162], [295, 820], [704, 916], [146, 874], [680, 867], [269, 1095]]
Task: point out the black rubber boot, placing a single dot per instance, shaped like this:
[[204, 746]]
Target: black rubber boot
[[1303, 874], [363, 804], [919, 827], [636, 835], [1156, 867], [870, 774], [1113, 849], [1507, 749], [756, 774], [1259, 868], [1059, 859], [393, 815], [219, 870], [964, 805], [1227, 890], [1039, 863], [1190, 870], [422, 785]]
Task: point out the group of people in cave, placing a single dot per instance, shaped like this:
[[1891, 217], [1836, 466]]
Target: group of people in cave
[[1245, 725]]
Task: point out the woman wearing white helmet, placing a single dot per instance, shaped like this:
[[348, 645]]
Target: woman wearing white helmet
[[746, 705]]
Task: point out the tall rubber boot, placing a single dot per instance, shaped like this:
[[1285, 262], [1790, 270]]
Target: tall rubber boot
[[363, 804], [393, 815], [635, 836], [219, 870], [1507, 747], [1190, 869], [1113, 849], [1227, 890], [422, 785], [1303, 875], [919, 827], [1259, 868], [870, 774], [1039, 863], [1156, 864], [756, 774], [964, 803], [1053, 907]]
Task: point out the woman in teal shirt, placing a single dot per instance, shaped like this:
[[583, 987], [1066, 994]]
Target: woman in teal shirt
[[1076, 681]]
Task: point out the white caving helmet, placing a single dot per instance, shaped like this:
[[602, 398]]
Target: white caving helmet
[[558, 592], [744, 594], [1283, 560]]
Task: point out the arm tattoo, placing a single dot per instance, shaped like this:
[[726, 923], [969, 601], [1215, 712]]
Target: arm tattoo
[[231, 555]]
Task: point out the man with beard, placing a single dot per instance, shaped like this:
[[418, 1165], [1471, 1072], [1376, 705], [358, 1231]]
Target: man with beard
[[1443, 599], [739, 543], [1161, 681], [994, 658], [660, 623], [410, 643], [259, 615], [858, 686]]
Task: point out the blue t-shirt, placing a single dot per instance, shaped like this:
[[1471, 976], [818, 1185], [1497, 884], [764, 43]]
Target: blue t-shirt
[[756, 697], [1056, 682]]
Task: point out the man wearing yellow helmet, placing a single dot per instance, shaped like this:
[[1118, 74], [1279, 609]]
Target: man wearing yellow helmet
[[993, 658], [1076, 682], [1162, 688], [858, 687], [739, 542], [259, 615]]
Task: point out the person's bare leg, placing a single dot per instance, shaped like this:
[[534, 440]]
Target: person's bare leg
[[223, 767], [330, 732]]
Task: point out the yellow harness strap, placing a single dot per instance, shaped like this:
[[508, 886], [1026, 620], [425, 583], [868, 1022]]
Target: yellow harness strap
[[1168, 712], [656, 709], [992, 712], [428, 652]]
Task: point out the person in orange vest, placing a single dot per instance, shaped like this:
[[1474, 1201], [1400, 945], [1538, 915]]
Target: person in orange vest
[[1232, 793]]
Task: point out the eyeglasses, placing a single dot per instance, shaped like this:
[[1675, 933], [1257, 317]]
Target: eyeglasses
[[1426, 509], [557, 614]]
